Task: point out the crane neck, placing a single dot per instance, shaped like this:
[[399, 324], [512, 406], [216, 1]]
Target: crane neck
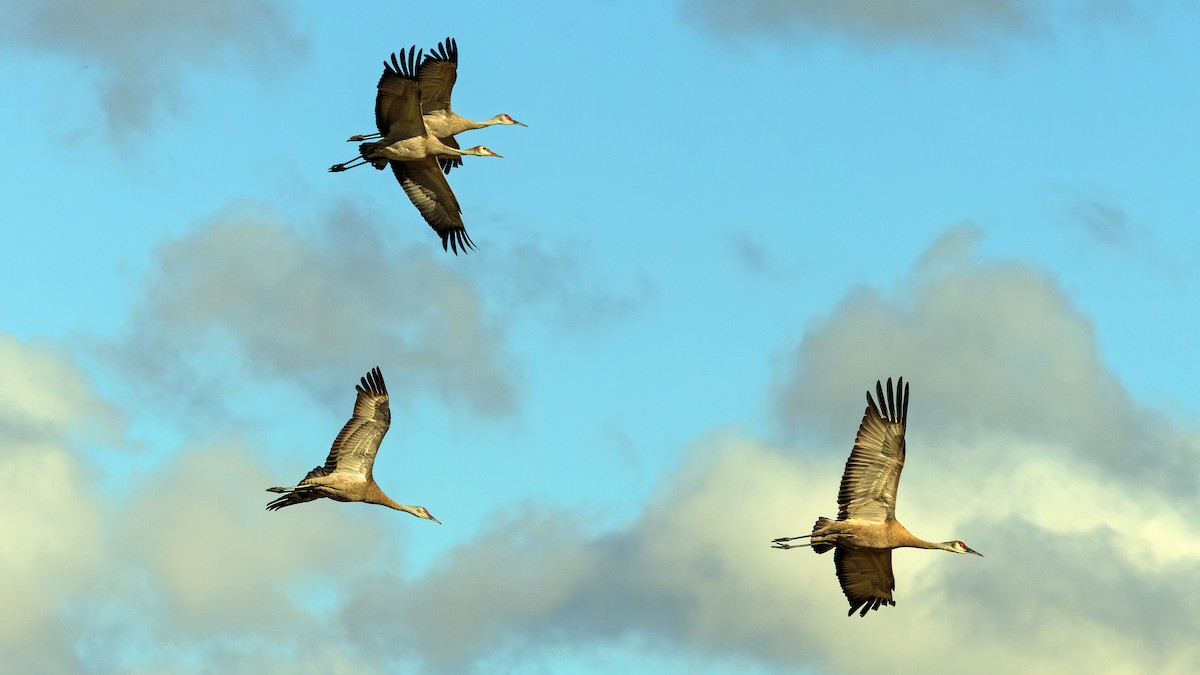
[[375, 495]]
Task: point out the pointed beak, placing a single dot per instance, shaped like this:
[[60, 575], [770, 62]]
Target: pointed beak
[[969, 550], [440, 522], [521, 123]]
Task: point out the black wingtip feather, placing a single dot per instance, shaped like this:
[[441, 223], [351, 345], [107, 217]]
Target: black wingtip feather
[[453, 240], [404, 67], [372, 382], [892, 406]]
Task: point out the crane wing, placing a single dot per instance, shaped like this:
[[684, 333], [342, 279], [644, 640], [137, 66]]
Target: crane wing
[[866, 577], [425, 185], [398, 101], [872, 475], [354, 449], [437, 75]]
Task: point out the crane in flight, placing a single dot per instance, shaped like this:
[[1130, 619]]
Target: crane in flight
[[436, 76], [412, 151], [866, 529], [346, 475]]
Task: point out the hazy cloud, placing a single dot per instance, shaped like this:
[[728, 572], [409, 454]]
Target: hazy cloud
[[557, 281], [1107, 224], [935, 22], [144, 50], [319, 309]]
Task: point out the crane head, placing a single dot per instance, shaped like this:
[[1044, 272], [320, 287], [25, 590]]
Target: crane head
[[482, 151], [959, 547], [503, 118], [422, 512]]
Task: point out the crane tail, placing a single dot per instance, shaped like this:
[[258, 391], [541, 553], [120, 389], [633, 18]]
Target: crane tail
[[820, 528]]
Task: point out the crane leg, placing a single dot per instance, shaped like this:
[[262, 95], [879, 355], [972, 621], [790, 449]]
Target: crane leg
[[786, 546], [362, 137], [297, 488], [357, 161], [782, 542]]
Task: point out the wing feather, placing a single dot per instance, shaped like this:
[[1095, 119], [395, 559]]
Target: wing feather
[[866, 577], [398, 101], [437, 75], [429, 191], [872, 475], [355, 447]]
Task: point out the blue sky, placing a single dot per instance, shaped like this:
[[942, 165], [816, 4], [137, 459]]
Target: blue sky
[[724, 222]]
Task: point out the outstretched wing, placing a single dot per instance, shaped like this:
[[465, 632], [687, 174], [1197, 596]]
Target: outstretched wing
[[425, 185], [354, 449], [866, 577], [437, 74], [872, 474], [398, 101]]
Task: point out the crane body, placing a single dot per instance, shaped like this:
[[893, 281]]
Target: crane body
[[346, 474], [866, 530]]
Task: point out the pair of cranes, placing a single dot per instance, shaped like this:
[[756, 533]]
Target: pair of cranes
[[417, 130], [862, 537]]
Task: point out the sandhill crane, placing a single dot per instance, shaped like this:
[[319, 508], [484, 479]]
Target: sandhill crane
[[437, 75], [346, 475], [866, 529], [411, 151]]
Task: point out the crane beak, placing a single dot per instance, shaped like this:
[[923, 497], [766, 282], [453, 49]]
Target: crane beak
[[440, 522], [969, 550], [521, 123]]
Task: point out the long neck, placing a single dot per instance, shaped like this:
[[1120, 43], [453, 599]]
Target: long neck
[[376, 496], [435, 146], [903, 538]]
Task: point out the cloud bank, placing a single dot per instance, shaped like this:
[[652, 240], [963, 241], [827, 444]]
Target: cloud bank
[[1021, 442]]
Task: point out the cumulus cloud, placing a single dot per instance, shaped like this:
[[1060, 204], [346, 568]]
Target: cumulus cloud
[[1021, 442], [317, 309], [1084, 549], [49, 506], [144, 49], [994, 343], [181, 570]]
